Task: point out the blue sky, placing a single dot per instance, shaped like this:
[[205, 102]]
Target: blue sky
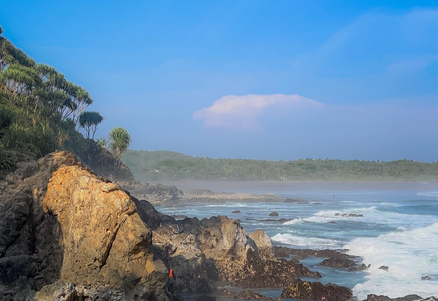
[[248, 79]]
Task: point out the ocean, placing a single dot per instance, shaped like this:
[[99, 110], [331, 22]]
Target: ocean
[[392, 224]]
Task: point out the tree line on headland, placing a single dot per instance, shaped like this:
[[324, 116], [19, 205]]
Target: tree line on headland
[[167, 166], [41, 111]]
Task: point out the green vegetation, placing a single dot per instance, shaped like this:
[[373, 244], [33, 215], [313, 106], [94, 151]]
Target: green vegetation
[[89, 122], [119, 141], [41, 111], [165, 165]]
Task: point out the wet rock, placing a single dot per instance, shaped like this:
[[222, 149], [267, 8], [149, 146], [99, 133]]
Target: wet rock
[[316, 291], [426, 278], [384, 267], [339, 261], [272, 273], [296, 201], [273, 214], [236, 211], [373, 297], [304, 253], [362, 267], [250, 295], [205, 298]]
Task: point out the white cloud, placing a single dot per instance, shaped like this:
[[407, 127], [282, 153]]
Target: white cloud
[[243, 111]]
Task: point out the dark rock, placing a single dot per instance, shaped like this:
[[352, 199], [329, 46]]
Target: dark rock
[[250, 295], [179, 216], [296, 201], [304, 253], [384, 267], [273, 214], [340, 261], [272, 273], [373, 297], [205, 298], [362, 267], [236, 211], [426, 278], [224, 292], [299, 289]]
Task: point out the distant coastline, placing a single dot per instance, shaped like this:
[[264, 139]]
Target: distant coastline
[[279, 187], [156, 166]]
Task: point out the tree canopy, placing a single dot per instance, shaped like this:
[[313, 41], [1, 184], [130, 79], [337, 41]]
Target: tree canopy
[[89, 121], [119, 141], [39, 108]]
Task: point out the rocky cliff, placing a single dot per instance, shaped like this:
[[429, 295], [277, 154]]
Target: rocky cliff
[[60, 223]]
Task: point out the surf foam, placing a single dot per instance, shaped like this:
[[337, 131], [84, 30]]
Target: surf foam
[[410, 255], [308, 242], [370, 215]]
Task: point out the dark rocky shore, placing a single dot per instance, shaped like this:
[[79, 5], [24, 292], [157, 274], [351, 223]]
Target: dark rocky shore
[[68, 234]]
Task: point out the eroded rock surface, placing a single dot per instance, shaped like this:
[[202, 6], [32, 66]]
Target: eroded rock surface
[[316, 291]]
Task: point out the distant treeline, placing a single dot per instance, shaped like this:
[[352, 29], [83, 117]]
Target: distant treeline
[[166, 165]]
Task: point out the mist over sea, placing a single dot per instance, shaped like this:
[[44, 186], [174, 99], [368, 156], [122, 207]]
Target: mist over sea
[[387, 224]]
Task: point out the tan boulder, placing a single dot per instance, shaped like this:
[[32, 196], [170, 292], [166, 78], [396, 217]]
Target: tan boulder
[[103, 238], [264, 244]]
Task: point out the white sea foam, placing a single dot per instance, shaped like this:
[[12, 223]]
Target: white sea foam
[[230, 205], [308, 242], [429, 193], [370, 215], [409, 255]]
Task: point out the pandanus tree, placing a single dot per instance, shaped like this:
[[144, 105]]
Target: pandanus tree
[[119, 141], [89, 122]]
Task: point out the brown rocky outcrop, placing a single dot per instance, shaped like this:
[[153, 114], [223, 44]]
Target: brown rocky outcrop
[[372, 297], [154, 194], [316, 291], [77, 228], [103, 236], [264, 244], [272, 273]]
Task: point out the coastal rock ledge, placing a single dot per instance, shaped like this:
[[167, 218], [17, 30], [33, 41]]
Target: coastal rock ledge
[[316, 291]]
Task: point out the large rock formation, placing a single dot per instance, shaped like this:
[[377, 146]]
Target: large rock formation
[[61, 222]]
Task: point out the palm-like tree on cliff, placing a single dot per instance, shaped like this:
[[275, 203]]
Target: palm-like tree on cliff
[[119, 141]]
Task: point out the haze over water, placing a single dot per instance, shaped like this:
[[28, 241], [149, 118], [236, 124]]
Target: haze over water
[[396, 225]]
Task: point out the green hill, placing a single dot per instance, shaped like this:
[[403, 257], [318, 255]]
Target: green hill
[[167, 165]]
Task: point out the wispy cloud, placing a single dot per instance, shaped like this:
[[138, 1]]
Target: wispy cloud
[[243, 111]]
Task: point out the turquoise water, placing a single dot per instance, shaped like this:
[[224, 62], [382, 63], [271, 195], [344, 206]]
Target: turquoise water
[[396, 228]]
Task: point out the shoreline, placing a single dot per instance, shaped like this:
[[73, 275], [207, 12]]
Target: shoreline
[[288, 187]]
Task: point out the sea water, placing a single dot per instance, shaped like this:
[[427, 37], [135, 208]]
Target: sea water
[[397, 228]]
